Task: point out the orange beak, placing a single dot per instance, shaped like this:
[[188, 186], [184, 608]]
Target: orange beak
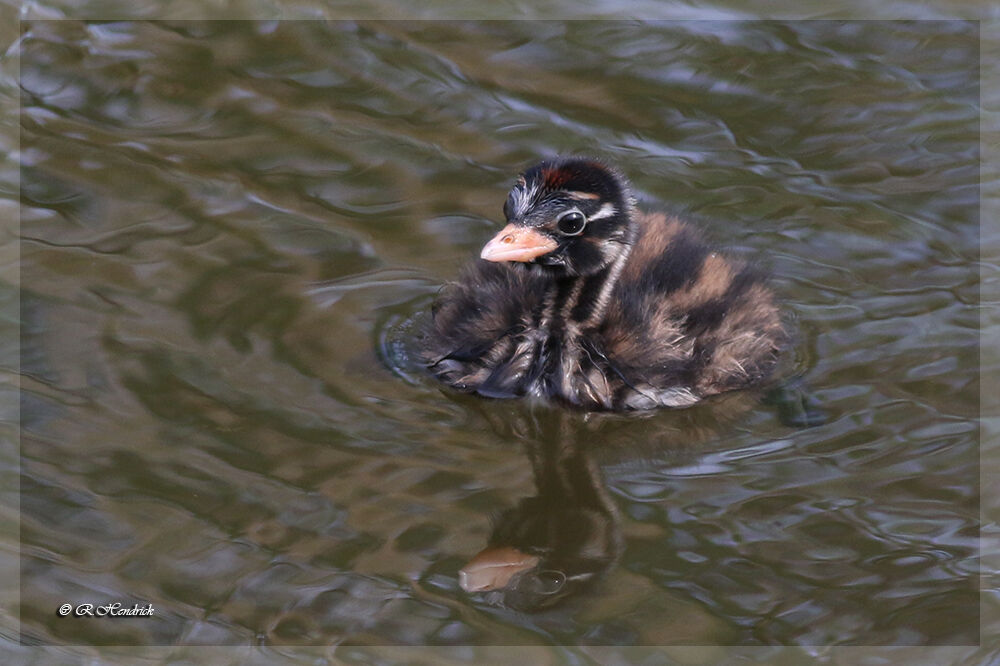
[[493, 568], [517, 243]]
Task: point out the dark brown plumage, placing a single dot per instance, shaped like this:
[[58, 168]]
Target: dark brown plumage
[[585, 300]]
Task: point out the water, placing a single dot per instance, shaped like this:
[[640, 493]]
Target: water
[[231, 231]]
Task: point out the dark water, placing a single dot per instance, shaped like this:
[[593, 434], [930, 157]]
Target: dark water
[[230, 232]]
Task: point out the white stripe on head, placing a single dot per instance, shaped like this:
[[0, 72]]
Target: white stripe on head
[[607, 210], [574, 194]]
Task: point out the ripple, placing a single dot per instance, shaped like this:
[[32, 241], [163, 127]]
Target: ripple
[[232, 232]]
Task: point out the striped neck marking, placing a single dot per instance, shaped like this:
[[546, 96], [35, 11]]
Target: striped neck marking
[[572, 306], [588, 299]]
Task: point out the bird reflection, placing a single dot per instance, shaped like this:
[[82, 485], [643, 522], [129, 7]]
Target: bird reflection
[[552, 544], [556, 543]]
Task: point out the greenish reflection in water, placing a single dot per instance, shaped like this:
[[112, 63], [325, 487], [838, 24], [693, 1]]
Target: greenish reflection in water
[[231, 228]]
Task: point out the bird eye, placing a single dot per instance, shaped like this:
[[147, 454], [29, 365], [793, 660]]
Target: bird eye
[[548, 581], [571, 223]]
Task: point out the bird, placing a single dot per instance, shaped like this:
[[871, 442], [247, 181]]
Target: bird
[[585, 300]]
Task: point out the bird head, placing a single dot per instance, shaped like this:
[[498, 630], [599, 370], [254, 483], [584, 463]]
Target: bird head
[[569, 215], [539, 554]]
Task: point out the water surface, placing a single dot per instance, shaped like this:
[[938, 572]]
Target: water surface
[[232, 229]]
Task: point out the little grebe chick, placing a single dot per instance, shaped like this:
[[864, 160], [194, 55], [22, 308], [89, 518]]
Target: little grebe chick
[[583, 299]]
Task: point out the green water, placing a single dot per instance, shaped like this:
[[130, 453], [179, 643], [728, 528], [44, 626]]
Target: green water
[[230, 231]]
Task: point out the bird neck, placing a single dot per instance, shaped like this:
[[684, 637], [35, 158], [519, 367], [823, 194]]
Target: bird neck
[[584, 520], [572, 306], [564, 471], [579, 302]]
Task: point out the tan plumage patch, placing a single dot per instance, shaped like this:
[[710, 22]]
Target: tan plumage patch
[[746, 343], [662, 340], [742, 347], [714, 277], [656, 230]]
